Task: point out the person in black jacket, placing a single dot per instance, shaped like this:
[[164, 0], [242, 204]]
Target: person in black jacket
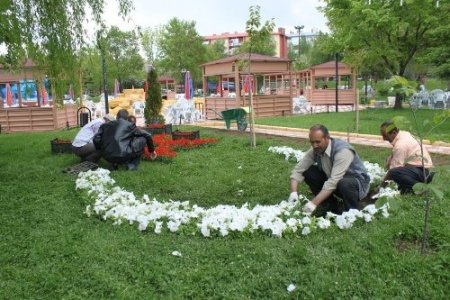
[[122, 143]]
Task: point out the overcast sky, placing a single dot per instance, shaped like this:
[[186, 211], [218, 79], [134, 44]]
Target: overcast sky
[[215, 17]]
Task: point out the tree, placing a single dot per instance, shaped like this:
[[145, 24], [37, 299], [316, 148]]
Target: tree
[[311, 52], [153, 99], [392, 33], [91, 70], [215, 51], [123, 59], [181, 49], [439, 56], [149, 38], [256, 33], [260, 39], [49, 32]]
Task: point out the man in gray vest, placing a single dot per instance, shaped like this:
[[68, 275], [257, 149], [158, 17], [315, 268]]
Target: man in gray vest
[[331, 167]]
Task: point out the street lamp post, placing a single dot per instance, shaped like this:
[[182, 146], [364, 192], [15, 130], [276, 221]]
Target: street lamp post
[[299, 29], [183, 74], [105, 83], [337, 81]]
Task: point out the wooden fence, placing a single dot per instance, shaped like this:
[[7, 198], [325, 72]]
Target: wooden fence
[[37, 118], [264, 105]]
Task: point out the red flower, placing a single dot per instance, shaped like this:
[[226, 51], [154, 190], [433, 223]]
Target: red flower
[[165, 147]]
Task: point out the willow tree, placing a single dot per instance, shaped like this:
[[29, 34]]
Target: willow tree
[[50, 32]]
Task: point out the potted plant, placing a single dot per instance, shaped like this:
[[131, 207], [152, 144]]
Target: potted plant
[[155, 122]]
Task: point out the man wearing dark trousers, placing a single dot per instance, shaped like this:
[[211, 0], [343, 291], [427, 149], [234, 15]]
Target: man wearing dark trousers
[[122, 143], [409, 163], [331, 167]]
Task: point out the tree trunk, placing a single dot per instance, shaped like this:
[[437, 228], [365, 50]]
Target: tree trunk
[[398, 101]]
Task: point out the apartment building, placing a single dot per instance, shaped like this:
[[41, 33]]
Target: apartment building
[[233, 41]]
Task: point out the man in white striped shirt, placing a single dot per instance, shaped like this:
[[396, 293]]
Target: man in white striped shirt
[[83, 146]]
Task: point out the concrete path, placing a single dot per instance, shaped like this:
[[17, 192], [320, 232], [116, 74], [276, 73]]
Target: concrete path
[[361, 139]]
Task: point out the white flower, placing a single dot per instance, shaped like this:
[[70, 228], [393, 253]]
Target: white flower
[[323, 223], [116, 204], [88, 210], [291, 287], [306, 230], [176, 253], [367, 218], [371, 209], [306, 220], [158, 227], [342, 222]]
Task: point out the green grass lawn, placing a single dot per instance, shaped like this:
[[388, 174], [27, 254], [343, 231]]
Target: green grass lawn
[[49, 249], [369, 121]]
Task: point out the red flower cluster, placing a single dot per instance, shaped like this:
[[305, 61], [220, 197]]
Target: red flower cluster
[[166, 147]]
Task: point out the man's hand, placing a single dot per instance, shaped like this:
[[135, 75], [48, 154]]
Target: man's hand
[[293, 197], [153, 155], [309, 207]]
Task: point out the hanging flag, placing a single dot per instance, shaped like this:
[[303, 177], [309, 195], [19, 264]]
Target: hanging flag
[[44, 96], [247, 83], [9, 96]]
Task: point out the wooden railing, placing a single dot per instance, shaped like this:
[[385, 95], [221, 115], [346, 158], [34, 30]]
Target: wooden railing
[[37, 118]]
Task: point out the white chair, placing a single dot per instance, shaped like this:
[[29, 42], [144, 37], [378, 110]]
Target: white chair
[[437, 98], [415, 100], [424, 98]]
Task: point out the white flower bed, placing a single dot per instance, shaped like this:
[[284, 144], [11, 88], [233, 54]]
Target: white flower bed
[[114, 203]]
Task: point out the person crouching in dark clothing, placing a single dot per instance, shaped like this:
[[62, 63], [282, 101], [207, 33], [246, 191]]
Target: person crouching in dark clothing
[[122, 143]]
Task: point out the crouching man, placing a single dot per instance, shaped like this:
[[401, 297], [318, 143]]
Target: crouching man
[[122, 143], [409, 163], [331, 167]]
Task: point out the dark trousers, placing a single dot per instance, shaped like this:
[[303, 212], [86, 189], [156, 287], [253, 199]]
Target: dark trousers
[[407, 177], [87, 153], [347, 189], [133, 160]]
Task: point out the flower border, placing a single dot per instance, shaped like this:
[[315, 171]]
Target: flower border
[[111, 202]]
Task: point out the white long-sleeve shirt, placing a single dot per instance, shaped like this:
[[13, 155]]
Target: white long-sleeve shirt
[[87, 133]]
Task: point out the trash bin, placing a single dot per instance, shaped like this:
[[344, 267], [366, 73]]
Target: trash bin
[[84, 116], [84, 119]]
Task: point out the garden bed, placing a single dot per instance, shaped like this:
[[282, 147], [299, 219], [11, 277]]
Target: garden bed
[[61, 146], [159, 128], [189, 135]]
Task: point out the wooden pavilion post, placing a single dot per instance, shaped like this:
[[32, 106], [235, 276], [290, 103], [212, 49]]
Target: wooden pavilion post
[[19, 93], [237, 84], [354, 84]]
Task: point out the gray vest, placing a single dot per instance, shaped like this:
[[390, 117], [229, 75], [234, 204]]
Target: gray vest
[[356, 168]]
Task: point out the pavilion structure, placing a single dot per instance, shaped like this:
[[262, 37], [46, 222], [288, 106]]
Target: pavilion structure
[[227, 83], [268, 81], [34, 115], [319, 86]]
